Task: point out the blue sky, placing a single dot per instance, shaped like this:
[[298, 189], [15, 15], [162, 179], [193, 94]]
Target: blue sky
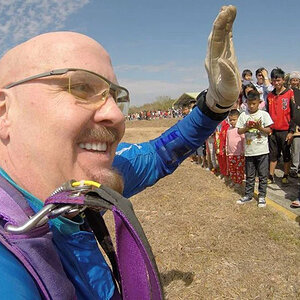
[[158, 46]]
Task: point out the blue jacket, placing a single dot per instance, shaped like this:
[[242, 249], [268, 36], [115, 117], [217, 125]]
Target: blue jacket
[[141, 166]]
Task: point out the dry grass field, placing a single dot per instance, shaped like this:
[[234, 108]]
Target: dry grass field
[[206, 246]]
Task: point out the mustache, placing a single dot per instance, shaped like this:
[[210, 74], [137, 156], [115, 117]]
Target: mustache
[[102, 134]]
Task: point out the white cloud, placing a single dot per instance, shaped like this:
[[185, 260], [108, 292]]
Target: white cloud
[[20, 20]]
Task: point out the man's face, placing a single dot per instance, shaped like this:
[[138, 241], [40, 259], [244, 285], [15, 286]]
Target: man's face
[[260, 78], [55, 139], [294, 82], [278, 83]]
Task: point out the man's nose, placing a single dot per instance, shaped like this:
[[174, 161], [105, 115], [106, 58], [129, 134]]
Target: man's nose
[[109, 113]]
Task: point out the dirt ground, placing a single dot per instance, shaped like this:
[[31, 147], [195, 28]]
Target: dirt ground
[[207, 246]]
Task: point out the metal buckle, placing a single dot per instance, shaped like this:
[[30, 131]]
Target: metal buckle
[[52, 211]]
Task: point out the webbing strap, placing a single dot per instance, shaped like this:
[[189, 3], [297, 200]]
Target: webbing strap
[[102, 235], [136, 263]]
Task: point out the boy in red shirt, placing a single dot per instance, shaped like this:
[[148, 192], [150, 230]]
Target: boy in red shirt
[[279, 108]]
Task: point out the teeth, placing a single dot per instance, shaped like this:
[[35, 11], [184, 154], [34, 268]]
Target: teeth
[[93, 146]]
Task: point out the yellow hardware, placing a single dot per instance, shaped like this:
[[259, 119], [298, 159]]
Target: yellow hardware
[[86, 183]]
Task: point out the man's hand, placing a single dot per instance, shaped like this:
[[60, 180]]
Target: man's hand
[[221, 63], [264, 73], [289, 138]]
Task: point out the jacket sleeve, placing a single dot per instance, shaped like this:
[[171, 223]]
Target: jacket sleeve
[[141, 165], [16, 283], [292, 127]]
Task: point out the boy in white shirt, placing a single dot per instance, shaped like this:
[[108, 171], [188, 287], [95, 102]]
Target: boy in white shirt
[[255, 124]]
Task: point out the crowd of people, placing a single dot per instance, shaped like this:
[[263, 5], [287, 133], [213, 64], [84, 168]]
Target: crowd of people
[[262, 128], [155, 114]]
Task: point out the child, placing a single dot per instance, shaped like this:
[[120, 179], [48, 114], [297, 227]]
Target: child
[[235, 150], [221, 149], [246, 89], [246, 76], [211, 153], [255, 124], [201, 156]]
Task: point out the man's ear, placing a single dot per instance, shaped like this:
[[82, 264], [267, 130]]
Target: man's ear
[[4, 120]]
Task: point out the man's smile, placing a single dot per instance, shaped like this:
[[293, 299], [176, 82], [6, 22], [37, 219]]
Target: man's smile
[[94, 146]]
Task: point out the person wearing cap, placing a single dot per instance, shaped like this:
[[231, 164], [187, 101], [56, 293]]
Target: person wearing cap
[[294, 80]]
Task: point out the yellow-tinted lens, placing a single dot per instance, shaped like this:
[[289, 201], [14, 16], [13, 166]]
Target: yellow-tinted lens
[[88, 88], [92, 90]]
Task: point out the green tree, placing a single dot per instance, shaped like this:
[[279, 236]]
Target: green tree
[[161, 103]]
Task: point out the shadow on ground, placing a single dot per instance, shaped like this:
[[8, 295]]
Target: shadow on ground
[[168, 277]]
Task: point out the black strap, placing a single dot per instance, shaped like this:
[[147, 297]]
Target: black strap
[[102, 235], [201, 103]]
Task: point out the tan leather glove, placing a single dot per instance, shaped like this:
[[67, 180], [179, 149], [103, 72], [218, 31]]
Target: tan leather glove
[[221, 63]]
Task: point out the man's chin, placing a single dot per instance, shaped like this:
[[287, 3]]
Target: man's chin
[[111, 179], [106, 177]]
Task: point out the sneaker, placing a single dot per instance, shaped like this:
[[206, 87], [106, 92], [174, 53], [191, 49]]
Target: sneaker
[[261, 202], [285, 179], [270, 179], [244, 200], [294, 174]]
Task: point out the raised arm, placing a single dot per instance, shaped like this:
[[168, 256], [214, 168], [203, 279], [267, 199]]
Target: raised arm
[[142, 165], [221, 63]]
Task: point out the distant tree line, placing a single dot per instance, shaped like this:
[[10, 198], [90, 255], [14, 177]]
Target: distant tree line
[[161, 103]]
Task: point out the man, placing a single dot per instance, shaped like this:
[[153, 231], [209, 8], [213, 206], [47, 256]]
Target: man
[[295, 129], [294, 80], [263, 84], [279, 108], [59, 120]]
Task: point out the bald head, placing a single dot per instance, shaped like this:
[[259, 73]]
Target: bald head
[[54, 50]]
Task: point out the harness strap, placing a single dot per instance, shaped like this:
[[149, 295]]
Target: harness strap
[[33, 255], [97, 224], [138, 274]]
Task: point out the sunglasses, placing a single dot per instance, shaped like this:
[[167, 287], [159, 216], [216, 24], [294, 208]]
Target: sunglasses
[[90, 89]]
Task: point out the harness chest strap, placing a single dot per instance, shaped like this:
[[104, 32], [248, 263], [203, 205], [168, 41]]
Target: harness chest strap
[[137, 273], [35, 248]]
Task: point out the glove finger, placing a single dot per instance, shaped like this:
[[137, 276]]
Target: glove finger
[[229, 83], [232, 58], [221, 27]]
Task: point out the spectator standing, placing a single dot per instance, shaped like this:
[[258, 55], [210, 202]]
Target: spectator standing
[[279, 108], [211, 153], [263, 84], [295, 128], [235, 150], [201, 156], [221, 148], [255, 124], [294, 80]]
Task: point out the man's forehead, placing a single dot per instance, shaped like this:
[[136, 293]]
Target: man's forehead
[[56, 50]]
